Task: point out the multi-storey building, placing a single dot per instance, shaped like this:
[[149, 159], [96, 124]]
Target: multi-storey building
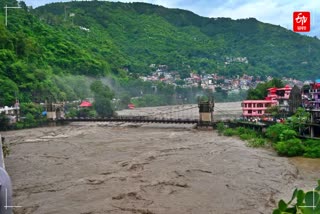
[[256, 108], [276, 97], [282, 97], [314, 93]]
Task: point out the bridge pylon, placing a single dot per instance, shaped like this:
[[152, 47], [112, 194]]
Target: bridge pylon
[[206, 109]]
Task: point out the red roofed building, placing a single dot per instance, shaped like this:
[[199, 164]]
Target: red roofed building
[[85, 104], [131, 106], [276, 97], [283, 95]]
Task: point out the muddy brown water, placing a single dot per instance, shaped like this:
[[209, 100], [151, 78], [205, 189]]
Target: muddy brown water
[[156, 169]]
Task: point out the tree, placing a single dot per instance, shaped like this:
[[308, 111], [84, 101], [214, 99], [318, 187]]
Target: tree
[[274, 132], [299, 119], [102, 99], [4, 121], [8, 90], [273, 110], [125, 99], [261, 91]]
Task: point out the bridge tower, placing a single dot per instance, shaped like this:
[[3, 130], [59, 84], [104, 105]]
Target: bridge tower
[[54, 110], [206, 109]]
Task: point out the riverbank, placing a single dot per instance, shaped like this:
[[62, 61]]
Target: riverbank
[[123, 168]]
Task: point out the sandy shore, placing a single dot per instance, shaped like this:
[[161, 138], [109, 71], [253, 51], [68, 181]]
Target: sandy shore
[[119, 168]]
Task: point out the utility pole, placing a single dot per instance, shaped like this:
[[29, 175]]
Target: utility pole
[[65, 12], [6, 8]]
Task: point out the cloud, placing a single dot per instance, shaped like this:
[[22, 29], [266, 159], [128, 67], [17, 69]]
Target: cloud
[[269, 11], [37, 3]]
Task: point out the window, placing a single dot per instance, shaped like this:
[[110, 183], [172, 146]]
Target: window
[[260, 105], [280, 93], [259, 112], [250, 105], [250, 112]]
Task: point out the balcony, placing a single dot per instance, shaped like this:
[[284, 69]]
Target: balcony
[[254, 108]]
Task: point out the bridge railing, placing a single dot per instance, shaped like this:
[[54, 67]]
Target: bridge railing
[[135, 119], [5, 185]]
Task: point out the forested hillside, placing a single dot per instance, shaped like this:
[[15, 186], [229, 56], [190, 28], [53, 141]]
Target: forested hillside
[[35, 55], [41, 46], [149, 34]]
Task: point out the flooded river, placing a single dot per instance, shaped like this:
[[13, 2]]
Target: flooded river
[[119, 168]]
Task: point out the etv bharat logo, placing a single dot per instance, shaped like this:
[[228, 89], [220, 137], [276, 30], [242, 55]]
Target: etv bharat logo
[[301, 21]]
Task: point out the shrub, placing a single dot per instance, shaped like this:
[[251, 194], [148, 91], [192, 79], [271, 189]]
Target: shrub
[[229, 132], [245, 136], [312, 149], [241, 130], [292, 147], [220, 128], [4, 122], [251, 132], [306, 202], [288, 134], [19, 125], [273, 132], [256, 142], [29, 121], [92, 113], [72, 113]]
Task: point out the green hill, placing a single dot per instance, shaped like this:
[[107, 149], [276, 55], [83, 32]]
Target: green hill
[[148, 34], [96, 38]]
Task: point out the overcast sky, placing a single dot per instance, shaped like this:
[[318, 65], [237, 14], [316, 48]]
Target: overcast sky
[[269, 11]]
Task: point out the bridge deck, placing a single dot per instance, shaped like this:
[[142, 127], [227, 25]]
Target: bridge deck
[[132, 120]]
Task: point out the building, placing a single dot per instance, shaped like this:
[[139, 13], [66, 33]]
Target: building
[[314, 93], [85, 104], [12, 113], [282, 97], [9, 110], [276, 97], [311, 102], [256, 108]]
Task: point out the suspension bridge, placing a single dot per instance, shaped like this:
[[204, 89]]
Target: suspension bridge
[[177, 114]]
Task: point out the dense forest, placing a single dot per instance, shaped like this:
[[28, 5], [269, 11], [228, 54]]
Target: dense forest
[[146, 34], [56, 51]]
